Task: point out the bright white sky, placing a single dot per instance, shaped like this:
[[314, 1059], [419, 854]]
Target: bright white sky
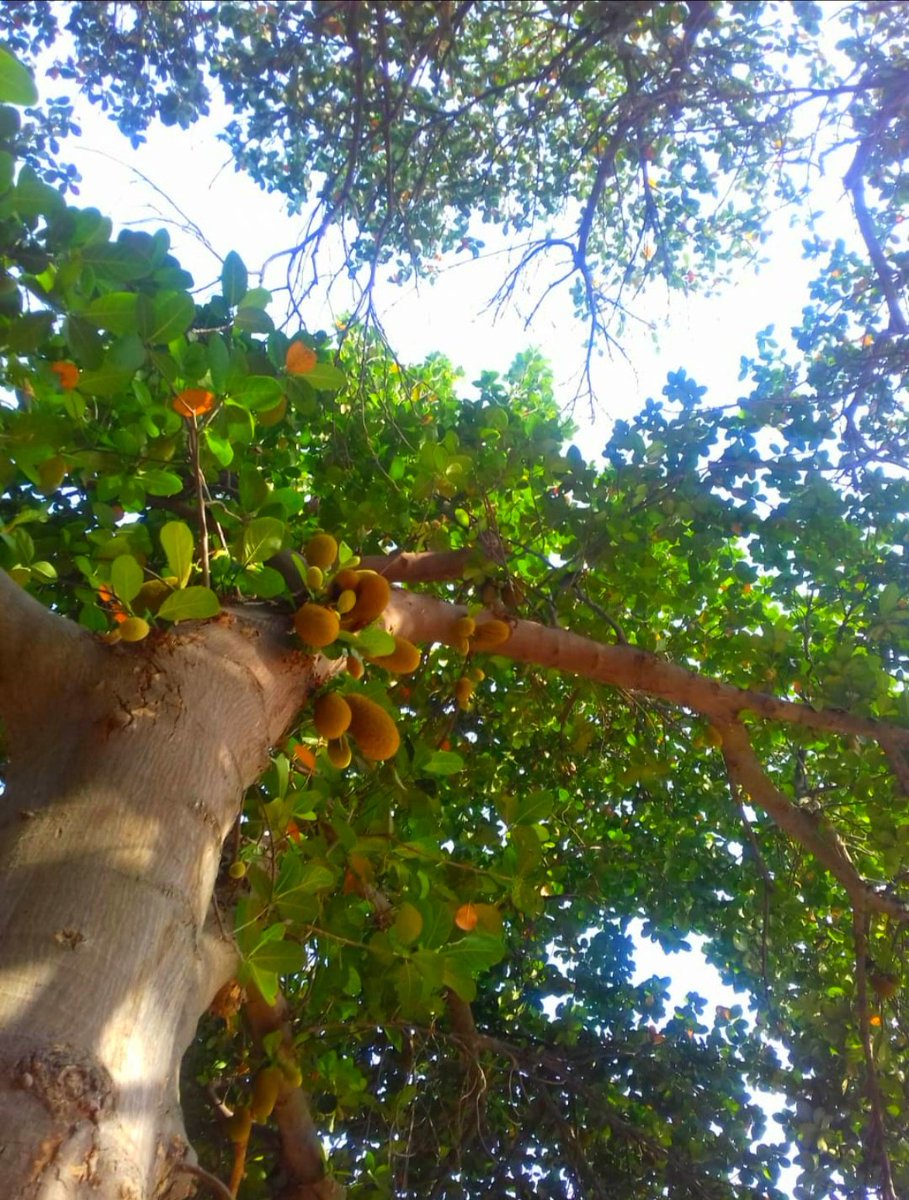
[[705, 336]]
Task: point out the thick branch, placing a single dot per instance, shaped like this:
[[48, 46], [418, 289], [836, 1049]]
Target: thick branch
[[802, 826], [39, 653], [425, 619]]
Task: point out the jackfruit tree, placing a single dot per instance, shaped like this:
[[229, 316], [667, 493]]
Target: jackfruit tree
[[351, 721]]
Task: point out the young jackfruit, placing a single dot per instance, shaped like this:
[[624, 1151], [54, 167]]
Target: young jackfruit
[[373, 729], [346, 601], [134, 629], [266, 1088], [464, 691], [339, 754], [355, 668], [314, 578], [489, 634], [331, 714], [321, 551], [316, 625], [404, 659]]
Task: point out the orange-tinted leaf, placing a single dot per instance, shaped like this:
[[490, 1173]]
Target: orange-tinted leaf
[[67, 373], [466, 917], [193, 402], [300, 358], [305, 756]]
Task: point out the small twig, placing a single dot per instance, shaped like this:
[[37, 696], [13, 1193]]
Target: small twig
[[199, 480]]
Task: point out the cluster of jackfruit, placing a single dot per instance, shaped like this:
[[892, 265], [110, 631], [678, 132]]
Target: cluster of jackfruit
[[352, 598], [468, 637], [338, 718]]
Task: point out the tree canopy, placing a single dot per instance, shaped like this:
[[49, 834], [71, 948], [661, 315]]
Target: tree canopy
[[719, 745]]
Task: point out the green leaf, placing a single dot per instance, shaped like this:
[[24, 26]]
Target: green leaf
[[162, 483], [220, 446], [375, 641], [443, 762], [326, 377], [256, 298], [218, 361], [408, 923], [474, 953], [536, 806], [16, 83], [177, 543], [316, 877], [262, 538], [190, 604], [234, 279], [253, 320], [117, 312], [257, 392], [126, 577], [437, 923], [170, 314]]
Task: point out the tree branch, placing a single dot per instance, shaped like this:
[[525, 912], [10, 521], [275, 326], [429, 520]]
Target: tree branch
[[301, 1149]]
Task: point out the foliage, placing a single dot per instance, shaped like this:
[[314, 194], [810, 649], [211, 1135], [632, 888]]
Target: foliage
[[646, 139], [150, 437]]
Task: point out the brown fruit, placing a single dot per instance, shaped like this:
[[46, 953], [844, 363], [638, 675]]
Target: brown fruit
[[331, 714], [463, 691], [316, 625], [266, 1088], [339, 753], [373, 594], [345, 580], [884, 984], [321, 551], [464, 627], [373, 729], [239, 1125], [490, 633], [404, 659], [355, 668]]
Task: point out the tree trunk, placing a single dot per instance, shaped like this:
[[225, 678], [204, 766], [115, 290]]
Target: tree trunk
[[127, 765]]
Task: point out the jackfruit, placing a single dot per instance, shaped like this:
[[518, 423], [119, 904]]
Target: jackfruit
[[339, 753], [134, 629], [321, 551], [373, 594], [355, 668], [404, 659], [331, 714], [344, 580], [239, 1125], [463, 691], [464, 627], [316, 625], [266, 1088], [489, 634], [346, 601], [314, 578], [373, 729]]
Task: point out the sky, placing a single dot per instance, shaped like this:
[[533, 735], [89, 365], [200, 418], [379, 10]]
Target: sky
[[180, 179]]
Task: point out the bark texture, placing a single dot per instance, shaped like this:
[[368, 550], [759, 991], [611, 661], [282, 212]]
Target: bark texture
[[126, 770]]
